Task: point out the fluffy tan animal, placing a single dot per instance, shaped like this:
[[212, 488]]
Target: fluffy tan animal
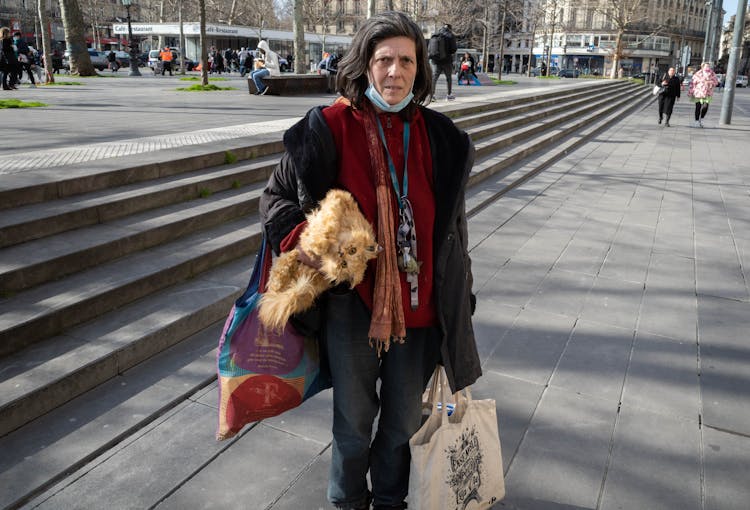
[[338, 241]]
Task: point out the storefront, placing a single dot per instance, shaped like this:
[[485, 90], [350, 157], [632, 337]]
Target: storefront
[[229, 36]]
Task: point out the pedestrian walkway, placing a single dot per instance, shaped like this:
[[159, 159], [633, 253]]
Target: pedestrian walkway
[[613, 305]]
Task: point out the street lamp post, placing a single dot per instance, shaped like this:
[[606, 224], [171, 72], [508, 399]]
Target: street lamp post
[[133, 50]]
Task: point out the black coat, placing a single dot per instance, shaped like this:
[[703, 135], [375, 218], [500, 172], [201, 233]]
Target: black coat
[[674, 84], [308, 169]]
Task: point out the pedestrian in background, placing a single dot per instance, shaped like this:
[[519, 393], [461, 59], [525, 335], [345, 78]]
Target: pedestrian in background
[[671, 91], [246, 61], [701, 91], [270, 68], [166, 57], [441, 50], [407, 167], [8, 61]]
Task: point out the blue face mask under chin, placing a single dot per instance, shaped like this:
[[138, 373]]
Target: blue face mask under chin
[[374, 96]]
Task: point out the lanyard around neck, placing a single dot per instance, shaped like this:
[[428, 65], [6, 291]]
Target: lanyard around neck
[[392, 167]]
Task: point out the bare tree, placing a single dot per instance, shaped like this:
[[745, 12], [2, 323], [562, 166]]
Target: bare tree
[[533, 18], [75, 39], [299, 37], [203, 50], [622, 14], [46, 47]]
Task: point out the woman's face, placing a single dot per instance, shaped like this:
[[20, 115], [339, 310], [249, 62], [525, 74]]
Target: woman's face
[[393, 68]]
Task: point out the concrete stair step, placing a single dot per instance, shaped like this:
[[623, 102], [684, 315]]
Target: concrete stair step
[[21, 189], [35, 262], [49, 309], [539, 137], [510, 107], [56, 444], [515, 117], [494, 186], [459, 111], [48, 374], [489, 147], [35, 221]]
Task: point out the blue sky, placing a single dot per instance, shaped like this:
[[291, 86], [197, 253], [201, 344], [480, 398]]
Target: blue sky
[[730, 6]]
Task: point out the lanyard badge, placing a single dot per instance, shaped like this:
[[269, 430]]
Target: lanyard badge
[[406, 238]]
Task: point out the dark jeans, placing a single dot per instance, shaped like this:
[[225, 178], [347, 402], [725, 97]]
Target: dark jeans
[[439, 68], [166, 66], [355, 369], [666, 105]]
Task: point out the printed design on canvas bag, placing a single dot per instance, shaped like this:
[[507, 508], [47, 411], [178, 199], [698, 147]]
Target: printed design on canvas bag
[[465, 461]]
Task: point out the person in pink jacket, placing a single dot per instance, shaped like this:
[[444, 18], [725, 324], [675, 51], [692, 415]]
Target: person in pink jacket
[[701, 91]]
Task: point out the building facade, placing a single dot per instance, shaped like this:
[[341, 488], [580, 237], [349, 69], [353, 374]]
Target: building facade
[[658, 34]]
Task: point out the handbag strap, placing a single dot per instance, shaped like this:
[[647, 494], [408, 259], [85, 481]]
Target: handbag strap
[[261, 268]]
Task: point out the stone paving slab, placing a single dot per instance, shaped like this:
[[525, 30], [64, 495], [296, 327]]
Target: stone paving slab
[[647, 444]]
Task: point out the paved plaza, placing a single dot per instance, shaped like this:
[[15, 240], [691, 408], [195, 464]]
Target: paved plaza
[[613, 310]]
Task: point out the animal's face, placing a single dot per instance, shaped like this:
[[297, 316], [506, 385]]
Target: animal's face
[[349, 263]]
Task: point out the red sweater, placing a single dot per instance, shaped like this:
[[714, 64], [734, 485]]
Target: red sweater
[[349, 135]]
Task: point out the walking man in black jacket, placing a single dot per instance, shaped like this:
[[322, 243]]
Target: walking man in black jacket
[[441, 49]]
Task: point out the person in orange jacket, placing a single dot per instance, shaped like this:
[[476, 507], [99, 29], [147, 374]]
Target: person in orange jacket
[[166, 57]]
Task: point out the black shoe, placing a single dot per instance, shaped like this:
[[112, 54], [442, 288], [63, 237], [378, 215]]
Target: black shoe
[[667, 124], [264, 91], [659, 121]]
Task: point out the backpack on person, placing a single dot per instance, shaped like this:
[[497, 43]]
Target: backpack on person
[[436, 48], [441, 46]]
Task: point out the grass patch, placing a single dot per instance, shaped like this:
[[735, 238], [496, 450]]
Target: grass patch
[[198, 78], [503, 82], [63, 83], [205, 193], [549, 77], [236, 184], [17, 103], [204, 88], [230, 157]]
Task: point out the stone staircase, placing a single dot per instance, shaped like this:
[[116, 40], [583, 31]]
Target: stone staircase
[[114, 285]]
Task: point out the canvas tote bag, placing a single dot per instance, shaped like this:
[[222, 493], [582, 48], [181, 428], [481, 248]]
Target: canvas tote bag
[[456, 460]]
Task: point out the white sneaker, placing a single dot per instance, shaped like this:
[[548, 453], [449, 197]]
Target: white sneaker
[[450, 97], [700, 122], [697, 123]]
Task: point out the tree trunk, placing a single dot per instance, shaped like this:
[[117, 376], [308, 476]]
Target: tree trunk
[[182, 40], [161, 20], [204, 52], [46, 48], [80, 61], [616, 55], [300, 56], [502, 43]]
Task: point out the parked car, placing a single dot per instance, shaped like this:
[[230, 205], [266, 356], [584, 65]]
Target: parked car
[[568, 73], [741, 81], [155, 63], [537, 71], [98, 59]]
